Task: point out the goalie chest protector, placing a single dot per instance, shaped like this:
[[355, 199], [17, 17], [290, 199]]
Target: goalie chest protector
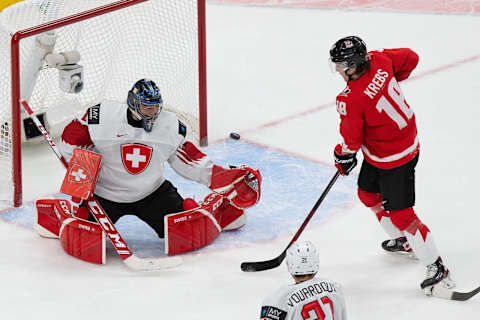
[[133, 159]]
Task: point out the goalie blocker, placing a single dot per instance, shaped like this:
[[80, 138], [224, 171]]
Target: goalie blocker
[[236, 189]]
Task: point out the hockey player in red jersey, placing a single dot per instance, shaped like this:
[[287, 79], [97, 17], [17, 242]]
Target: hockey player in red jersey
[[310, 297], [376, 118], [135, 139]]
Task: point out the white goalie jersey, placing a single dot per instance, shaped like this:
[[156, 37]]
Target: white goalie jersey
[[312, 299], [133, 159]]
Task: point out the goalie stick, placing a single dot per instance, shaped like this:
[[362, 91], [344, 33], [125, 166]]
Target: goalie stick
[[275, 262], [440, 291], [132, 261]]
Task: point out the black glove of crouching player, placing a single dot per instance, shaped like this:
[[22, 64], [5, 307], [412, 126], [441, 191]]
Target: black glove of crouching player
[[344, 162]]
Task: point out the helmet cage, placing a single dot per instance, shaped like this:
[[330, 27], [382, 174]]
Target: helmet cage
[[145, 94]]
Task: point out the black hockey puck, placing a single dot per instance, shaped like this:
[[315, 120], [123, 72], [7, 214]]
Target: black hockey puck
[[234, 136]]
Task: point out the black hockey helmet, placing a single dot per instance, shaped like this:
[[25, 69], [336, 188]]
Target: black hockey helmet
[[350, 52], [145, 92]]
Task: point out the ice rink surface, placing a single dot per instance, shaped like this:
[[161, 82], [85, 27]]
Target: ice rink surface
[[269, 80]]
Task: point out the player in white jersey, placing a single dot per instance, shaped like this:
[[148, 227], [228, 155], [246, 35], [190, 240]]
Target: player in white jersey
[[135, 139], [310, 297]]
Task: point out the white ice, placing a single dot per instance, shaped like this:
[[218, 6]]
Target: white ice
[[267, 68]]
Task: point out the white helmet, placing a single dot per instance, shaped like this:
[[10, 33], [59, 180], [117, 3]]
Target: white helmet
[[302, 258]]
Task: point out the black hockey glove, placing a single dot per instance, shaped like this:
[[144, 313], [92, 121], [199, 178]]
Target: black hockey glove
[[345, 162]]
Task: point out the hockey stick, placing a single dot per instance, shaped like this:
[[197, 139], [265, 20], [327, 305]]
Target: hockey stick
[[275, 262], [132, 261], [440, 291]]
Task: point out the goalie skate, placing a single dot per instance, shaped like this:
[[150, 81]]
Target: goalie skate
[[399, 247], [437, 275]]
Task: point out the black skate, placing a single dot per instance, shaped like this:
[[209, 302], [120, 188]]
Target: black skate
[[437, 274], [398, 246]]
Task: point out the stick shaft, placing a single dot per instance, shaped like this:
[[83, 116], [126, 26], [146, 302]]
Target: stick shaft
[[314, 209], [275, 262], [44, 132]]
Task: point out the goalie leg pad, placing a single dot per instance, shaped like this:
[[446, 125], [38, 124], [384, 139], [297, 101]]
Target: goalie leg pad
[[82, 213], [83, 240], [193, 229], [49, 215], [231, 218], [79, 238]]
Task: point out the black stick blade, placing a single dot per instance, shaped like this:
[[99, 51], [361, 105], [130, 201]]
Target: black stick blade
[[463, 296], [263, 265]]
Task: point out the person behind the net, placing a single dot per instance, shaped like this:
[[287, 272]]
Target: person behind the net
[[376, 118], [135, 138], [310, 297]]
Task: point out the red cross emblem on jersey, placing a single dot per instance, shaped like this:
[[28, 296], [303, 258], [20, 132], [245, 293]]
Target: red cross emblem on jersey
[[136, 157]]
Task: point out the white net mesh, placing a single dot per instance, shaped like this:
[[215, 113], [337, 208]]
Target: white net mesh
[[155, 39]]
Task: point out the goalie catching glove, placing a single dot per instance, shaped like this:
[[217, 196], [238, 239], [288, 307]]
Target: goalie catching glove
[[241, 186]]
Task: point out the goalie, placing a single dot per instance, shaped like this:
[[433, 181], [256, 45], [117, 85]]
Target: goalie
[[135, 140]]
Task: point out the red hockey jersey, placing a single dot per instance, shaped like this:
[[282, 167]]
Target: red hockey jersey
[[374, 113]]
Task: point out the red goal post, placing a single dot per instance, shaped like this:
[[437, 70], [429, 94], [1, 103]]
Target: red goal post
[[118, 43]]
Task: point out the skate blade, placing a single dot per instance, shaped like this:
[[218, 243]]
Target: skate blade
[[409, 255]]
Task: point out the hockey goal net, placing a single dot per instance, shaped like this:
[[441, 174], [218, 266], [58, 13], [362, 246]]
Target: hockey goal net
[[106, 46]]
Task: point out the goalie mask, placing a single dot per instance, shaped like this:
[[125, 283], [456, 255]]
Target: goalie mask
[[145, 102], [302, 259]]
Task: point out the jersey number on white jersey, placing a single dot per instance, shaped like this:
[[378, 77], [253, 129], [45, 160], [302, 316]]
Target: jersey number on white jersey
[[396, 105], [313, 310]]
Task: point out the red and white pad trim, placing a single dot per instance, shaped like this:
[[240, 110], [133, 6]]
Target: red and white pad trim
[[184, 218], [195, 228], [64, 224], [50, 214], [84, 240], [47, 223], [241, 186], [224, 179], [191, 163], [189, 154], [212, 219]]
